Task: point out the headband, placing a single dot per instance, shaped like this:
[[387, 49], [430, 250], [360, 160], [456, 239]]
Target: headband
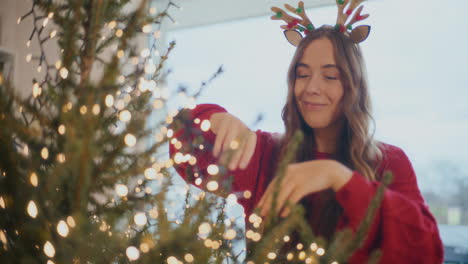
[[295, 26]]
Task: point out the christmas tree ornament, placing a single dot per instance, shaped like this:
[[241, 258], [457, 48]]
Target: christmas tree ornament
[[295, 26]]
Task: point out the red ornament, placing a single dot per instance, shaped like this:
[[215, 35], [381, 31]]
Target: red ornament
[[306, 32], [359, 17], [342, 28], [295, 22], [349, 12]]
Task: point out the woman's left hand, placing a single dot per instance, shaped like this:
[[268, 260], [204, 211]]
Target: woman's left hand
[[303, 178]]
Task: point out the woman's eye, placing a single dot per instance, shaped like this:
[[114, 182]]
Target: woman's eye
[[302, 76], [331, 78]]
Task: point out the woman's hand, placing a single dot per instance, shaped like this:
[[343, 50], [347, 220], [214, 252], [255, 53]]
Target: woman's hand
[[232, 135], [303, 178]]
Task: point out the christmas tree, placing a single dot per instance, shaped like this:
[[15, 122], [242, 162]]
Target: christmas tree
[[83, 178]]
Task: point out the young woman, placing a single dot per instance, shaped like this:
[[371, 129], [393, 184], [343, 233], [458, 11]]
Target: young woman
[[337, 168]]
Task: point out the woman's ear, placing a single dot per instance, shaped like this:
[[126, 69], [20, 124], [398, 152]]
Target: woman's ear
[[360, 33], [293, 36]]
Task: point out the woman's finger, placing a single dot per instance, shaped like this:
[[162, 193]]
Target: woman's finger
[[249, 150], [238, 151], [222, 131], [285, 191]]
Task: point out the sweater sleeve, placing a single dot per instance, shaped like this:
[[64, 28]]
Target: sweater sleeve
[[243, 182], [403, 227]]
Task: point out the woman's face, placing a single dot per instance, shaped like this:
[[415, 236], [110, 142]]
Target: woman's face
[[318, 87]]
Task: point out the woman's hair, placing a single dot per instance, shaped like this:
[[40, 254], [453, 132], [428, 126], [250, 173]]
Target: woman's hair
[[357, 150]]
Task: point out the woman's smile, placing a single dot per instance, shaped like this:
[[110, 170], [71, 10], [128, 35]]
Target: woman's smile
[[312, 106]]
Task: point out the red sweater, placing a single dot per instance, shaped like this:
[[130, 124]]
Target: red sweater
[[404, 228]]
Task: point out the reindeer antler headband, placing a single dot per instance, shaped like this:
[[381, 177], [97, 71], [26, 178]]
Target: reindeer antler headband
[[304, 24]]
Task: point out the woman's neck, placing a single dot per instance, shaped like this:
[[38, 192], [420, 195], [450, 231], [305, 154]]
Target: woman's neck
[[328, 139]]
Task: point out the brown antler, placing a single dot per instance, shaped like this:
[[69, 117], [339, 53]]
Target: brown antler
[[292, 22], [358, 34]]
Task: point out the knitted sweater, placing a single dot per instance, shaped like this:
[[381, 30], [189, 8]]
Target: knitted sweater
[[403, 228]]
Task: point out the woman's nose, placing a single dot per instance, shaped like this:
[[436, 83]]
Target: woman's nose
[[314, 85]]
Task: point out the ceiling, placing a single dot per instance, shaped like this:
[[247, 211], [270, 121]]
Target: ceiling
[[202, 12]]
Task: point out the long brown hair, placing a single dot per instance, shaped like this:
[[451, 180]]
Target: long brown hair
[[357, 148]]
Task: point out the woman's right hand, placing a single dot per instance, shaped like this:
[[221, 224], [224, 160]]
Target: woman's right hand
[[234, 138]]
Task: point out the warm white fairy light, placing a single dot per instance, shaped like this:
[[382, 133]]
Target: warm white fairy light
[[215, 245], [96, 109], [189, 257], [2, 203], [230, 234], [45, 22], [334, 262], [256, 237], [83, 109], [119, 33], [153, 213], [153, 10], [208, 243], [120, 54], [247, 194], [286, 238], [28, 57], [49, 249], [28, 43], [320, 251], [3, 239], [39, 68], [62, 228], [204, 228], [36, 90], [212, 186], [44, 153], [140, 219], [32, 209], [119, 104], [132, 253], [205, 125], [150, 68], [271, 255], [213, 169], [109, 100], [50, 15], [19, 20], [147, 28], [53, 34], [157, 34], [198, 181], [61, 129], [125, 116], [63, 73], [61, 158], [112, 24], [158, 104], [313, 246], [121, 79], [130, 140], [172, 260], [121, 190], [71, 222], [289, 256], [145, 53], [302, 255], [299, 246], [150, 173]]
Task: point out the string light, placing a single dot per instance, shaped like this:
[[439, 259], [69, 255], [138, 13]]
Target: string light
[[188, 257], [212, 186], [61, 158], [62, 228], [144, 247], [125, 116], [28, 57], [120, 54], [119, 33], [145, 53], [112, 24], [53, 34], [213, 169], [313, 246], [121, 190], [230, 234], [83, 109], [140, 219], [96, 109], [205, 125], [2, 203], [150, 173], [71, 222], [44, 153], [157, 34], [153, 213], [172, 260], [32, 209], [132, 253], [109, 100], [49, 249], [158, 104], [204, 228], [247, 194], [130, 140], [320, 251], [63, 73], [271, 255], [152, 10], [147, 28], [58, 64], [302, 255], [36, 90], [61, 129]]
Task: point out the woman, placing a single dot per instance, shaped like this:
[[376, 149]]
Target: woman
[[337, 168]]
